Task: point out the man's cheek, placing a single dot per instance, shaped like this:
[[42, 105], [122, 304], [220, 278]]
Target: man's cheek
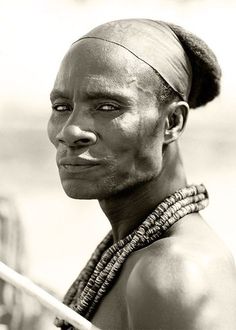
[[125, 130]]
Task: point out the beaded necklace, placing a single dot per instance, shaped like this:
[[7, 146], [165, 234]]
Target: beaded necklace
[[105, 263]]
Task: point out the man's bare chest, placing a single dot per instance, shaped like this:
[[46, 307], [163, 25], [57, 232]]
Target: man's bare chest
[[112, 313]]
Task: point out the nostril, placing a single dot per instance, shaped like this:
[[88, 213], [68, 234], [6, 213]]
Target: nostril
[[84, 141], [73, 135]]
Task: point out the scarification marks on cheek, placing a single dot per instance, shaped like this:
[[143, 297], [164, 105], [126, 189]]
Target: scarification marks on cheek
[[127, 125]]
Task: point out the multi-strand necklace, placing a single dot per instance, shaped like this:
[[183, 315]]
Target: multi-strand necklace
[[105, 264]]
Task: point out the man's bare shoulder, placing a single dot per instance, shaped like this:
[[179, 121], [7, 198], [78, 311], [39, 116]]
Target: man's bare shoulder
[[183, 282]]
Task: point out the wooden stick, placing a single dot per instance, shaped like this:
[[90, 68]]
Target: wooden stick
[[58, 308]]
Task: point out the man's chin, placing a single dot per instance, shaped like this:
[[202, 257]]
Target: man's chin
[[79, 194], [99, 190], [82, 190]]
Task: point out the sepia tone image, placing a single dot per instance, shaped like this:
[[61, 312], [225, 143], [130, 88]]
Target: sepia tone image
[[117, 134]]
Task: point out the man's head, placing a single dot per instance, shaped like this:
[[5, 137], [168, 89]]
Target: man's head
[[114, 114]]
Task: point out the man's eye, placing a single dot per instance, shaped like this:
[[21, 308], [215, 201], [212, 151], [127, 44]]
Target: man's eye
[[61, 107], [108, 107]]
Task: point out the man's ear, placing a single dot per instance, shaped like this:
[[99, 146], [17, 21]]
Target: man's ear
[[175, 121]]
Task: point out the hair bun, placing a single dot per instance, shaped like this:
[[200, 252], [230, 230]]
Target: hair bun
[[205, 68]]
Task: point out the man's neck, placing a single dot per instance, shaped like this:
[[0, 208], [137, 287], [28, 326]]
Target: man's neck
[[128, 209]]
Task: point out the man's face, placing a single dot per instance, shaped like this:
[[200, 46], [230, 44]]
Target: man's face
[[105, 122]]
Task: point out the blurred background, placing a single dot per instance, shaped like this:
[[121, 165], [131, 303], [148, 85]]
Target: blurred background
[[60, 233]]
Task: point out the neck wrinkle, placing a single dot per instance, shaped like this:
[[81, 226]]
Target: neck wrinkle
[[128, 209]]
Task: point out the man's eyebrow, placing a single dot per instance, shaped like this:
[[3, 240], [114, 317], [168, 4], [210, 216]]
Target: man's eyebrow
[[108, 94], [55, 94], [96, 94]]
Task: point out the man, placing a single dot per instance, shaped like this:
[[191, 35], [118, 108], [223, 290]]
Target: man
[[119, 104]]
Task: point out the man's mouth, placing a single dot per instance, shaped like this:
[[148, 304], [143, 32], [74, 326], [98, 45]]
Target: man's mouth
[[77, 164], [77, 168]]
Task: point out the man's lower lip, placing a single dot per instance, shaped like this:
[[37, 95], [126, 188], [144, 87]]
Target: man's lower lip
[[77, 168]]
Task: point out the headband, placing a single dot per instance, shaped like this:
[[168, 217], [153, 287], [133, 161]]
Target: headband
[[154, 43]]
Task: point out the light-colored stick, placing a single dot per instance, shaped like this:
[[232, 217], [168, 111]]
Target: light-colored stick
[[58, 308]]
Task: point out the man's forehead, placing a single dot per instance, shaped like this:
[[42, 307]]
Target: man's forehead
[[98, 66], [90, 82], [98, 56]]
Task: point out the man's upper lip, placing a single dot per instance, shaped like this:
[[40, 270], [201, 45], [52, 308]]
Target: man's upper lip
[[77, 161]]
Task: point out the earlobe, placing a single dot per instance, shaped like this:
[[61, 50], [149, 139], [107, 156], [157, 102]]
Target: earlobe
[[175, 121]]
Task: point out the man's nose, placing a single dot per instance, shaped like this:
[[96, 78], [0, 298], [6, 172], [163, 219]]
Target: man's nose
[[74, 136]]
